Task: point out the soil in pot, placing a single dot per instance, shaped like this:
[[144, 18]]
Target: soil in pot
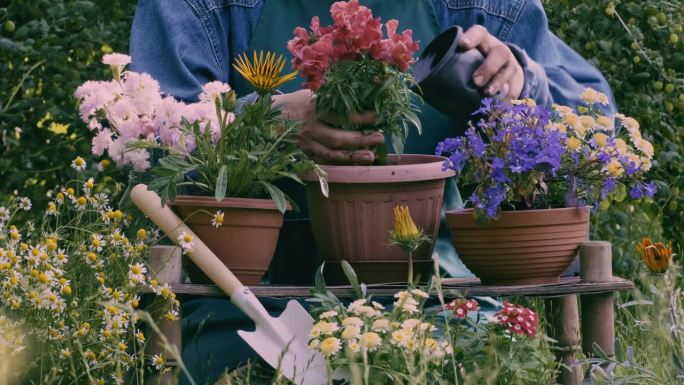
[[246, 240], [522, 247], [355, 221]]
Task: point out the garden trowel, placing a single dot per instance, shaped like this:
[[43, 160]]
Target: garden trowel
[[280, 341]]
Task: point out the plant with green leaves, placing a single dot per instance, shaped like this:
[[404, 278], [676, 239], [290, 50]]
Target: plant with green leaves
[[217, 146]]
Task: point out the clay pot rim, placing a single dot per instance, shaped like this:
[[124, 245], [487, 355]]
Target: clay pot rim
[[414, 168], [238, 203], [521, 218]]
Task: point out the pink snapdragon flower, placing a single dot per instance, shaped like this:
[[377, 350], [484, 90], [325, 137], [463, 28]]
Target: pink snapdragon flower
[[355, 33]]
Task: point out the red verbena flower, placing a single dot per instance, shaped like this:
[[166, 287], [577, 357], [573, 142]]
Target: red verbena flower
[[518, 319], [461, 307]]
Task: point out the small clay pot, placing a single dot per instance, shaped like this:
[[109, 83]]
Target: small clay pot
[[355, 221], [246, 240], [444, 73], [522, 247]]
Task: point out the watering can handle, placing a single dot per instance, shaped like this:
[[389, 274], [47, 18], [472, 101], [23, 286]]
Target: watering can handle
[[150, 204]]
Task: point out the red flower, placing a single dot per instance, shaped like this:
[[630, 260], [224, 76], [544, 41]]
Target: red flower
[[518, 320], [355, 33], [461, 307]]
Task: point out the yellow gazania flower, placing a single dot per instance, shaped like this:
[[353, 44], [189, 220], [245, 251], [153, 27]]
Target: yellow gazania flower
[[656, 256], [263, 73], [406, 234]]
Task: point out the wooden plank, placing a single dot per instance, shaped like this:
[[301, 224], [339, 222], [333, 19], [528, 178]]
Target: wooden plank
[[452, 287]]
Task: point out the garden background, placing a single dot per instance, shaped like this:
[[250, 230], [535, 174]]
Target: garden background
[[49, 47]]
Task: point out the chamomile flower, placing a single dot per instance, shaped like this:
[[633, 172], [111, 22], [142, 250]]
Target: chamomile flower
[[25, 203], [4, 214], [171, 315], [185, 242], [96, 242], [140, 336], [136, 273], [100, 201], [79, 164], [80, 203], [51, 209], [88, 185], [217, 219], [158, 361]]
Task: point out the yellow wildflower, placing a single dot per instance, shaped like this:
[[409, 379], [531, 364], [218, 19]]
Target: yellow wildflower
[[330, 346], [605, 122], [370, 341], [573, 143], [614, 168], [600, 139], [141, 234], [656, 256], [645, 147]]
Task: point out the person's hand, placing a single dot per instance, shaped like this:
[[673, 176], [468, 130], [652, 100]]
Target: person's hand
[[323, 143], [500, 71]]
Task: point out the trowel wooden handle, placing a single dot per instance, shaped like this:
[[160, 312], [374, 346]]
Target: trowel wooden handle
[[150, 204]]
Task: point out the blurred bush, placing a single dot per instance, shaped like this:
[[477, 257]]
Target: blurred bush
[[639, 47], [47, 48]]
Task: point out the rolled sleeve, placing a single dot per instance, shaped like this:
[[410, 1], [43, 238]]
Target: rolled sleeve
[[172, 43], [555, 73]]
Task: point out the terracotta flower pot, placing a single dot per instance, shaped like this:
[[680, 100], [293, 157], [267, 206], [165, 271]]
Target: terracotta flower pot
[[522, 247], [355, 221], [245, 242]]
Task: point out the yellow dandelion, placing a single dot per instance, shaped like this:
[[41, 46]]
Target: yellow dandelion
[[263, 73]]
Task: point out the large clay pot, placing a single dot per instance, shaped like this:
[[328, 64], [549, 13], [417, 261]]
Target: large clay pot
[[522, 247], [244, 243], [355, 221]]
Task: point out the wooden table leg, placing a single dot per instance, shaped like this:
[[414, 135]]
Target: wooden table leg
[[164, 266], [598, 312], [563, 316]]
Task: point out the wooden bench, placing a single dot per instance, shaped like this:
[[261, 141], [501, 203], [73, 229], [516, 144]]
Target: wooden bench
[[595, 289]]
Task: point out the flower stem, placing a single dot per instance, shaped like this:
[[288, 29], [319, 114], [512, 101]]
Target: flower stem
[[410, 268]]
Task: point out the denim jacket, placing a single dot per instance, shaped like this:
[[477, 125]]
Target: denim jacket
[[186, 43]]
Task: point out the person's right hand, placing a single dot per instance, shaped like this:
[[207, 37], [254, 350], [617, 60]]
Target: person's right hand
[[323, 143]]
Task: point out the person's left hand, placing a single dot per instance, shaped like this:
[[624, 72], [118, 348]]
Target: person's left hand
[[500, 70]]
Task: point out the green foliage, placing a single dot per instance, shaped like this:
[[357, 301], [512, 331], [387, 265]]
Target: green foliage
[[47, 48], [253, 151], [370, 85], [639, 46]]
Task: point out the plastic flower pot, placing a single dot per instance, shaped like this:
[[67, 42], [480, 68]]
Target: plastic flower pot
[[246, 240], [444, 73], [355, 221], [521, 247]]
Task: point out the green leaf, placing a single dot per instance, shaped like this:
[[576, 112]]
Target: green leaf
[[319, 280], [277, 195], [353, 279], [221, 183]]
